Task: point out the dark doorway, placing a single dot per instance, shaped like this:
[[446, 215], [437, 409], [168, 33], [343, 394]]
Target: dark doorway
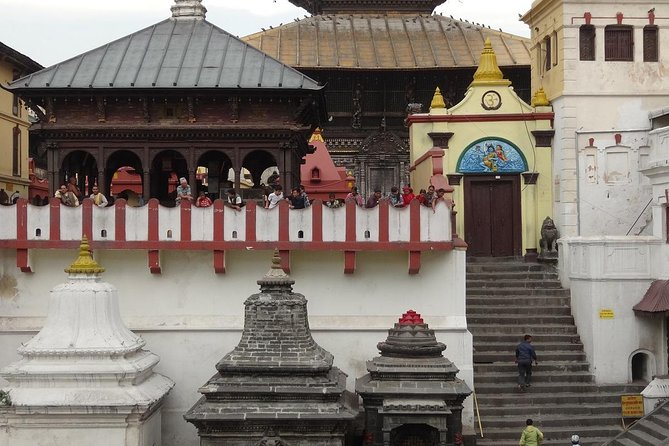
[[414, 435], [492, 215]]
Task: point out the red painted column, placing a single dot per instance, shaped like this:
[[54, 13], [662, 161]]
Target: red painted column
[[119, 220], [54, 219], [185, 216], [219, 236], [154, 230], [317, 221], [284, 221], [349, 256], [251, 211], [87, 219], [384, 220], [22, 258]]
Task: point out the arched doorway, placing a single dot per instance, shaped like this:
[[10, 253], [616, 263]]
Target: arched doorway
[[124, 172], [492, 195], [259, 164], [166, 168], [414, 435], [214, 170], [82, 166]]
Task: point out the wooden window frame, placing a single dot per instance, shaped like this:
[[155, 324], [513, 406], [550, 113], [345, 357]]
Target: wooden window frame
[[615, 49], [587, 42], [548, 54], [16, 151], [651, 43]]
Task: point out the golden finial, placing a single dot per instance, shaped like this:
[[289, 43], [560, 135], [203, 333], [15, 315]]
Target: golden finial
[[317, 135], [488, 71], [437, 100], [540, 99], [85, 264]]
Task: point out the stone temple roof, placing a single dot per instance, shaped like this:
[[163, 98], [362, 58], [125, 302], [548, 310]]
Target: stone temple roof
[[184, 51], [387, 41]]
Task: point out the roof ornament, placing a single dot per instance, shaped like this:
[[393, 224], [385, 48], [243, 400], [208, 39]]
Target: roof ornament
[[188, 9], [437, 100], [488, 72], [85, 264], [540, 99]]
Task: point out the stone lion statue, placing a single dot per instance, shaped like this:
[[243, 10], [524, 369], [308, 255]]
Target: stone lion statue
[[549, 236]]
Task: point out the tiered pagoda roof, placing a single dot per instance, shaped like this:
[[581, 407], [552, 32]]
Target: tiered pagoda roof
[[375, 6]]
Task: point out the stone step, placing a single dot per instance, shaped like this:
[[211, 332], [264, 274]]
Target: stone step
[[550, 421], [484, 369], [585, 441], [536, 393], [519, 301], [537, 338], [522, 320], [642, 438], [517, 292], [541, 347], [487, 328], [544, 310], [560, 433], [513, 275], [565, 378], [550, 409], [495, 260], [503, 283]]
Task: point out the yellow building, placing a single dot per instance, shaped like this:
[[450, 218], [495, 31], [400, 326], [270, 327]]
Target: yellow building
[[494, 150], [14, 123]]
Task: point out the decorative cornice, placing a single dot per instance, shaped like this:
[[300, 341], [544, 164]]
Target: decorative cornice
[[530, 177], [543, 138], [161, 134], [440, 139]]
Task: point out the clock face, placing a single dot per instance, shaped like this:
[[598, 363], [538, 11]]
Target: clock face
[[491, 100]]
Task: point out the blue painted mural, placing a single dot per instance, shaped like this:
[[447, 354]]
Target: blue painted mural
[[492, 155]]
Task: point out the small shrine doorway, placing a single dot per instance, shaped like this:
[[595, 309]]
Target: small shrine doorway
[[492, 197]]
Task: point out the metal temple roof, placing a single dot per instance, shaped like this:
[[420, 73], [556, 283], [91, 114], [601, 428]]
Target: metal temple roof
[[176, 53], [387, 41]]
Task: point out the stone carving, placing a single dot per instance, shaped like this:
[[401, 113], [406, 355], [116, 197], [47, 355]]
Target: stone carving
[[548, 242], [234, 109], [101, 108], [191, 110], [271, 439]]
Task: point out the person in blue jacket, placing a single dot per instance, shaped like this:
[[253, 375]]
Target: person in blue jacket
[[525, 356]]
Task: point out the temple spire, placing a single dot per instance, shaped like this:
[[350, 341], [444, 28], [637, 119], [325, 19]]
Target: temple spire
[[188, 9], [488, 72]]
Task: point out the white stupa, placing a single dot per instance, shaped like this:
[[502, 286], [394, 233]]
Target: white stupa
[[84, 379]]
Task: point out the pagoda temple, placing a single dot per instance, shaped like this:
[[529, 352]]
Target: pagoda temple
[[381, 61], [172, 100]]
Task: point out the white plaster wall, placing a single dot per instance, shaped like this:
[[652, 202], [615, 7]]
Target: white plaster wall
[[267, 221], [104, 219], [613, 273], [70, 223], [234, 223], [299, 220], [367, 222], [169, 223], [201, 223], [136, 223], [334, 224], [191, 317], [399, 224], [435, 224], [38, 218]]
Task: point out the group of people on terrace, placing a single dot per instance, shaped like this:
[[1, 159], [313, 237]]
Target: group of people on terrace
[[428, 197], [70, 195]]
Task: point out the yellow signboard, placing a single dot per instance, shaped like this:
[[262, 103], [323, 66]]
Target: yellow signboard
[[606, 313], [632, 406]]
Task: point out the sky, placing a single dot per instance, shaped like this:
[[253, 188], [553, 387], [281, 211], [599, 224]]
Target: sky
[[51, 31]]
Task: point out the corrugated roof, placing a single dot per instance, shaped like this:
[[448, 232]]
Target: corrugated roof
[[393, 41], [174, 53], [656, 299]]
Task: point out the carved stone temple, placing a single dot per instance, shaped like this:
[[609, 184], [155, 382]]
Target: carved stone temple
[[411, 394], [84, 378], [278, 386]]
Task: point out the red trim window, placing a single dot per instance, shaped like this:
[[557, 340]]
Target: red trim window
[[586, 41], [650, 43]]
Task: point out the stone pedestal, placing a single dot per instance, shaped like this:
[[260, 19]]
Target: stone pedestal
[[655, 393], [278, 386], [411, 390], [84, 378]]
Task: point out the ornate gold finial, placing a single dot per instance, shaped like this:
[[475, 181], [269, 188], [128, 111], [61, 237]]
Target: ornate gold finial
[[85, 264], [437, 100], [317, 135], [540, 99], [488, 71]]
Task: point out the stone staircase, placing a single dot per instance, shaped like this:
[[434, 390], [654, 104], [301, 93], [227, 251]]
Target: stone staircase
[[507, 298]]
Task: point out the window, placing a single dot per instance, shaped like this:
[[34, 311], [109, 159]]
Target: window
[[618, 43], [15, 98], [16, 152], [547, 54], [587, 42], [555, 48], [650, 47]]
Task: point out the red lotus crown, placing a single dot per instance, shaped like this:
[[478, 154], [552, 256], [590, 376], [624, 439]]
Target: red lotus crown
[[411, 318]]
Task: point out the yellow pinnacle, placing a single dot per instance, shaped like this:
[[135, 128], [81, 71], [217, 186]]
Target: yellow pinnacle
[[317, 135], [540, 99], [488, 71], [85, 264], [437, 100]]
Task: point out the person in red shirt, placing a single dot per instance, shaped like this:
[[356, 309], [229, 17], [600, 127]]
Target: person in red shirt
[[203, 201], [407, 195]]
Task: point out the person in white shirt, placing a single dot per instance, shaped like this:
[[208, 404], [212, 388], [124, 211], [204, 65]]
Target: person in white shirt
[[98, 198], [274, 198]]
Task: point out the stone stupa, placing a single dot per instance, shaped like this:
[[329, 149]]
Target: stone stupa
[[85, 377], [278, 386]]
